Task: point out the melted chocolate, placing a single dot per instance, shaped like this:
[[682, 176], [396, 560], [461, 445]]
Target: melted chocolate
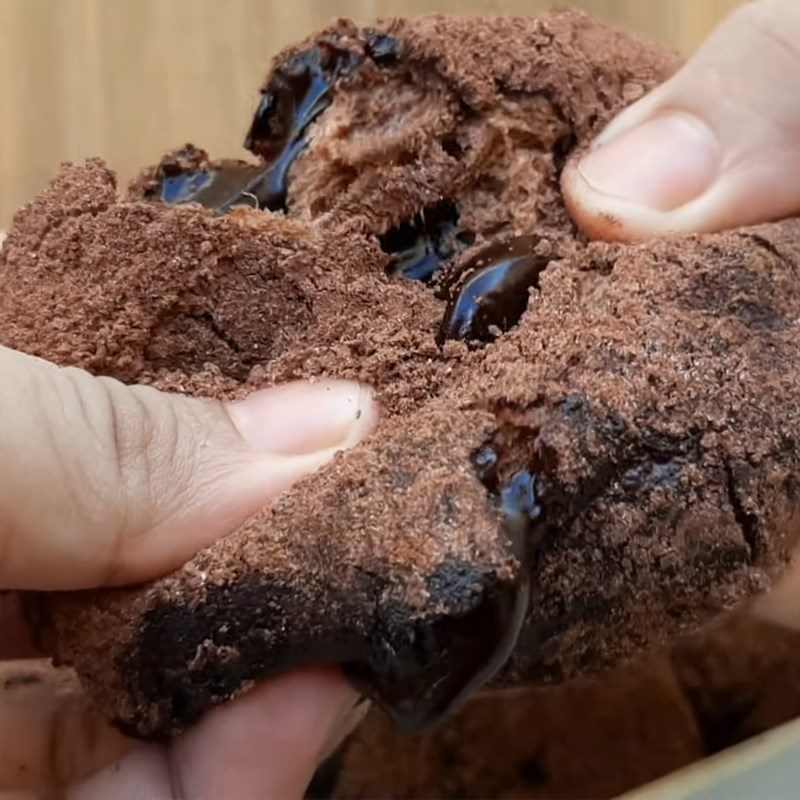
[[520, 500], [427, 672], [467, 650], [231, 184], [418, 666], [418, 248], [494, 294], [298, 93], [383, 50]]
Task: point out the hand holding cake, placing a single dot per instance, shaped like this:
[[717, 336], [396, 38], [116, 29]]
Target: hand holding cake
[[714, 147], [102, 484], [584, 475]]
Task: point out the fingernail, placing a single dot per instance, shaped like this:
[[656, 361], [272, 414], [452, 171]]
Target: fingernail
[[661, 164], [300, 418]]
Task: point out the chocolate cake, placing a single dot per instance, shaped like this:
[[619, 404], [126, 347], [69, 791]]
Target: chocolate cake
[[586, 449]]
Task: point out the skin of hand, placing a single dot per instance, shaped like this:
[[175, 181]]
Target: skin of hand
[[103, 484], [716, 146]]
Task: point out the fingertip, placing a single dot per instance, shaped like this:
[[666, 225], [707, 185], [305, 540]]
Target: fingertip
[[589, 212], [305, 417], [268, 742]]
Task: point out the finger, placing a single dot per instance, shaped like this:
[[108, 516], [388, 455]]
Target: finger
[[266, 744], [102, 483], [49, 736], [717, 146]]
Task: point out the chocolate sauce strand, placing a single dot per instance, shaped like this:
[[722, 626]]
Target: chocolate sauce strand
[[473, 641], [494, 294]]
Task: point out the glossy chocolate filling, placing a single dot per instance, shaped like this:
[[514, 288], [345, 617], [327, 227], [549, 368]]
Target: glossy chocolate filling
[[418, 248], [492, 293], [298, 93]]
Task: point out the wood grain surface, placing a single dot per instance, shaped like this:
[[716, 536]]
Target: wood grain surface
[[129, 79]]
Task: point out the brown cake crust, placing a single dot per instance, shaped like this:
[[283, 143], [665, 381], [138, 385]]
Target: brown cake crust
[[645, 406]]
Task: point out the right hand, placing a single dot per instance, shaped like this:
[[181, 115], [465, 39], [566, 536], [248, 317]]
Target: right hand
[[717, 146]]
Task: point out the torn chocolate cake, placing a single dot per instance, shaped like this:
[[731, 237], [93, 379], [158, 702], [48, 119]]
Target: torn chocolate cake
[[586, 449]]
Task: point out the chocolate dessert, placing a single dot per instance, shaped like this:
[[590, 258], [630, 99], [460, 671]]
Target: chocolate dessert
[[586, 449]]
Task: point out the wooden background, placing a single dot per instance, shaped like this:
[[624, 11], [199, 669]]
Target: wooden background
[[129, 79]]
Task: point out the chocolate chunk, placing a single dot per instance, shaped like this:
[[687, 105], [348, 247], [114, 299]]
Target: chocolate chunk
[[494, 293]]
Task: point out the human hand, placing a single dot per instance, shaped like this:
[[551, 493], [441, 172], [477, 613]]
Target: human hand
[[716, 146], [103, 484]]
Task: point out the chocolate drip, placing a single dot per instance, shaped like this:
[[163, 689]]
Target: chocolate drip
[[441, 664]]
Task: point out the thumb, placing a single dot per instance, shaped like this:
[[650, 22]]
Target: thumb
[[102, 483], [717, 146]]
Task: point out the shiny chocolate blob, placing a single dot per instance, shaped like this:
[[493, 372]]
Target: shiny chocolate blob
[[297, 94], [494, 294], [232, 183]]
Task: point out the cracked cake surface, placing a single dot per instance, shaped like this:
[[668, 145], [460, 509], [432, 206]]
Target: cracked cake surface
[[585, 448]]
